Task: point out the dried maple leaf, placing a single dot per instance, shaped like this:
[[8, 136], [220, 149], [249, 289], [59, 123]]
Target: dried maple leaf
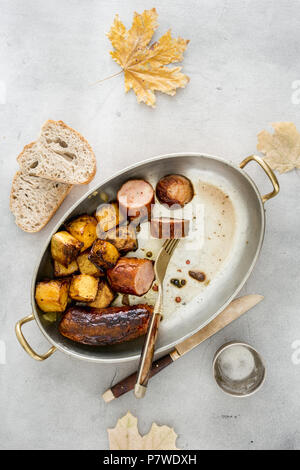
[[125, 436], [160, 438], [282, 149], [144, 65]]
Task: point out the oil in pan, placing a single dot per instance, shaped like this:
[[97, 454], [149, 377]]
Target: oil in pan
[[212, 218]]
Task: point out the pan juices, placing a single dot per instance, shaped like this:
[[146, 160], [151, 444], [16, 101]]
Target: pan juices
[[207, 248]]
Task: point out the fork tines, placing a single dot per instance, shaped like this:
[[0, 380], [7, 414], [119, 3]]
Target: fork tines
[[170, 245]]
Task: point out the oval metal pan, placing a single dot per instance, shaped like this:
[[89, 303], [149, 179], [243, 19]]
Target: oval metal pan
[[222, 291]]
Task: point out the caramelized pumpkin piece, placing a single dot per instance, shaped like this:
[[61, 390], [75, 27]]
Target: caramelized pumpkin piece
[[83, 288], [61, 271], [83, 229], [104, 296], [109, 216], [86, 266], [123, 237], [52, 296], [65, 248], [104, 254]]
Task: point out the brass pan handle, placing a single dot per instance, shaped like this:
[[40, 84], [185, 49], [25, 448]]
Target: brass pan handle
[[269, 172], [25, 345]]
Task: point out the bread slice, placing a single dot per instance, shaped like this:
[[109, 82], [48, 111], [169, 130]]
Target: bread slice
[[34, 200], [60, 154]]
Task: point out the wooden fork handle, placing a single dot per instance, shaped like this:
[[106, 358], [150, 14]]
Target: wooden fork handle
[[147, 357]]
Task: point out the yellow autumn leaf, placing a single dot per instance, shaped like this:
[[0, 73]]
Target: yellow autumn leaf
[[144, 65], [281, 149], [125, 436], [160, 438]]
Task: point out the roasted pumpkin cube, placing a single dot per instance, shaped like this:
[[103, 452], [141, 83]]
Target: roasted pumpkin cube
[[104, 296], [109, 216], [122, 237], [61, 271], [104, 254], [83, 287], [86, 266], [65, 248], [52, 296], [83, 228]]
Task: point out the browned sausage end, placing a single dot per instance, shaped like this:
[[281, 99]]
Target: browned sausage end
[[174, 190], [131, 276]]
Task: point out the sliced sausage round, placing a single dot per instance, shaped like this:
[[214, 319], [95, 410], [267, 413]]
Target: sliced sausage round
[[174, 190], [131, 276], [165, 227], [135, 198]]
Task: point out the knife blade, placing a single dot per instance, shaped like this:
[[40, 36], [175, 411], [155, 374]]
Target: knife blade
[[234, 310]]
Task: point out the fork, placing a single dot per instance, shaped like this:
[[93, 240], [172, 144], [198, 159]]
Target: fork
[[160, 268]]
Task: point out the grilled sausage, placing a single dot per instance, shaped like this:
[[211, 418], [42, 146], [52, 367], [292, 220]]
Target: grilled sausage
[[105, 326], [164, 227], [135, 198], [131, 276], [174, 190]]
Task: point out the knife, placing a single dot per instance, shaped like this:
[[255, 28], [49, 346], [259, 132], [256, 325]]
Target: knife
[[234, 310]]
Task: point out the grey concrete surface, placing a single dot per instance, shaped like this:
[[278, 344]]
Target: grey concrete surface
[[243, 60]]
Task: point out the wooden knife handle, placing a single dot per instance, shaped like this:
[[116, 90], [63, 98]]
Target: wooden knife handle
[[233, 311], [128, 383]]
